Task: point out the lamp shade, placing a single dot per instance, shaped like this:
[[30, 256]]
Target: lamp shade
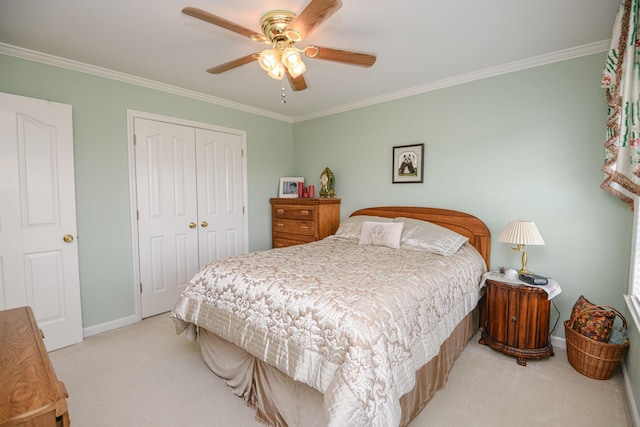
[[521, 233], [268, 59], [277, 72], [290, 57]]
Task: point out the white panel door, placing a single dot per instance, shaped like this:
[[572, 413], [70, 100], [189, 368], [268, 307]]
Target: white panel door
[[190, 202], [220, 195], [167, 211], [38, 245]]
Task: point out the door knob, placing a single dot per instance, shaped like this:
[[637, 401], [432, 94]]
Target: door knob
[[67, 238], [192, 225], [204, 224]]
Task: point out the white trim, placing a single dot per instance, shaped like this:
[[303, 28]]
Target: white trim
[[562, 343], [536, 61], [69, 64], [133, 114], [634, 265], [108, 326], [633, 297], [558, 342], [133, 217], [635, 416], [633, 304]]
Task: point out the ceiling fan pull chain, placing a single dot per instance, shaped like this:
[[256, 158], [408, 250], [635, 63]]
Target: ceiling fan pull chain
[[283, 98]]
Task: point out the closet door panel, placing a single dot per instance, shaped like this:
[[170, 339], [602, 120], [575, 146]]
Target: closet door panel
[[167, 214], [219, 172]]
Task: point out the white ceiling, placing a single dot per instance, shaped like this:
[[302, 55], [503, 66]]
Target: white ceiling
[[420, 44]]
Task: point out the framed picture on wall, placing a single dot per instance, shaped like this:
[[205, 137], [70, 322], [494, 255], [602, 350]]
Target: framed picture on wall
[[289, 186], [408, 164]]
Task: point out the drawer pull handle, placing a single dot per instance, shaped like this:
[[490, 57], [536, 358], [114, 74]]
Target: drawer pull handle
[[304, 227], [304, 212], [280, 211], [513, 320], [279, 224]]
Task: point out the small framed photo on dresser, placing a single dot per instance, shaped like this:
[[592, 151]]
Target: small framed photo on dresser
[[289, 186], [408, 164]]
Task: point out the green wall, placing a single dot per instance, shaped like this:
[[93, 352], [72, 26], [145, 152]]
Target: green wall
[[527, 144], [102, 170]]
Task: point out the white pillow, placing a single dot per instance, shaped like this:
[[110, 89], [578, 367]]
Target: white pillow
[[381, 234], [430, 237], [351, 228]]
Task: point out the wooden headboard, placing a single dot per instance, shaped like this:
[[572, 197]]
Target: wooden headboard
[[460, 222]]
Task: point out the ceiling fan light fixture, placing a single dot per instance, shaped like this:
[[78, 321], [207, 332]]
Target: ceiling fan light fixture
[[291, 57], [293, 35], [311, 51], [277, 72], [281, 29], [298, 70], [269, 60]]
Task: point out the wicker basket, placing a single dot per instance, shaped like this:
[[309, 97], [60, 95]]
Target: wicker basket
[[592, 358]]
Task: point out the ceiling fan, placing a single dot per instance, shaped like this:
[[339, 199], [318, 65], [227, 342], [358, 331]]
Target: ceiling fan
[[282, 29]]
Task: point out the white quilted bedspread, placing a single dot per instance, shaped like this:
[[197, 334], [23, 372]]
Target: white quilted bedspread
[[354, 322]]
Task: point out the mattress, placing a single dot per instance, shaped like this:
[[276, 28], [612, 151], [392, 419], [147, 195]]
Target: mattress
[[353, 322]]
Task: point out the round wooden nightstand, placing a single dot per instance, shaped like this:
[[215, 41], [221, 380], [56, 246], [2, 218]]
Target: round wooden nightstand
[[517, 320]]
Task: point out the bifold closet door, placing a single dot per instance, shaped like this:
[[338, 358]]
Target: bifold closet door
[[220, 195], [167, 212], [190, 197]]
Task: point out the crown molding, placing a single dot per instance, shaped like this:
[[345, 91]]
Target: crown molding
[[69, 64], [536, 61]]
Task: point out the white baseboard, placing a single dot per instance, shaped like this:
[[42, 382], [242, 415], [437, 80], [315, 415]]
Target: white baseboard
[[635, 416], [108, 326], [630, 398], [558, 342]]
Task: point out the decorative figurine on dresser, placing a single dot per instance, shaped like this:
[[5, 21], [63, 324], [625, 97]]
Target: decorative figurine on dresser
[[295, 221], [327, 184]]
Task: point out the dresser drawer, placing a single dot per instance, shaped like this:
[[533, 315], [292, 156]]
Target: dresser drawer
[[283, 242], [303, 220], [294, 212], [293, 226]]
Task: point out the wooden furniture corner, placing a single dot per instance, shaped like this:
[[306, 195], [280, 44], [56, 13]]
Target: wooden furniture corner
[[517, 321], [30, 394], [303, 220]]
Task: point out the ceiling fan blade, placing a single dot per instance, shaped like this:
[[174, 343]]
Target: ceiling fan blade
[[337, 55], [316, 12], [221, 22], [233, 64], [298, 83]]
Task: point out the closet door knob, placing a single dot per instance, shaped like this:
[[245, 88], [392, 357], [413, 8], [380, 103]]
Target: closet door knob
[[192, 225], [67, 238], [203, 224]]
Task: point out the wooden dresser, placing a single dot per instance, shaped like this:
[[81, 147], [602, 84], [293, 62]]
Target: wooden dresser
[[302, 220], [517, 321], [30, 393]]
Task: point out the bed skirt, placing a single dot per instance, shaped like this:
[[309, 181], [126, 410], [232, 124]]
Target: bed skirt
[[281, 401]]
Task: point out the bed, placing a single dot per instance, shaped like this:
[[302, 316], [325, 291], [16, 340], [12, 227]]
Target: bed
[[360, 328]]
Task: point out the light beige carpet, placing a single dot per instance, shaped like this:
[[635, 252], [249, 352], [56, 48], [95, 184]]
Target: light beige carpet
[[145, 375]]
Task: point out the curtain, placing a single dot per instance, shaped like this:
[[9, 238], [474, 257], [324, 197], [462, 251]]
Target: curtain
[[621, 79]]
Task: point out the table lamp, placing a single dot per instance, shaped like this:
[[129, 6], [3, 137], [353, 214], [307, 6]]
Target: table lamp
[[521, 233]]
